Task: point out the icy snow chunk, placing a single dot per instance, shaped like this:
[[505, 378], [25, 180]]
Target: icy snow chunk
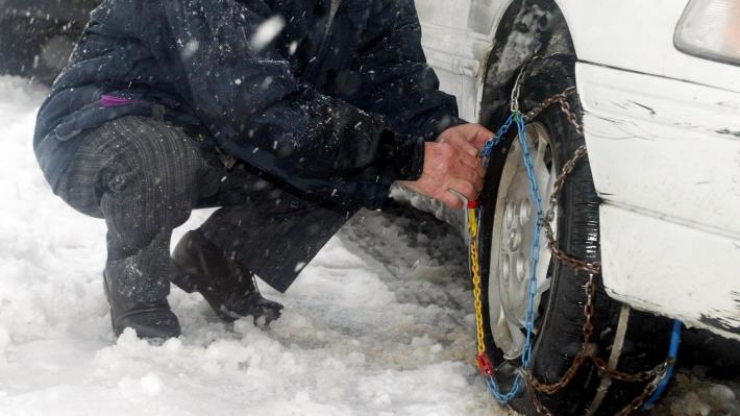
[[723, 393], [382, 399], [172, 346], [302, 397], [333, 363], [694, 406], [4, 343], [229, 355], [356, 358], [267, 31], [151, 385]]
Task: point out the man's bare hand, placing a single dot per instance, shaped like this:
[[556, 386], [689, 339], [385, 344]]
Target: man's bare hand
[[452, 165], [466, 137]]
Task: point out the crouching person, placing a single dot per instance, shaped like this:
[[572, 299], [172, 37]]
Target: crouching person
[[168, 106]]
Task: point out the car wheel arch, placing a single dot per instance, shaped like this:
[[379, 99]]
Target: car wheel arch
[[526, 28]]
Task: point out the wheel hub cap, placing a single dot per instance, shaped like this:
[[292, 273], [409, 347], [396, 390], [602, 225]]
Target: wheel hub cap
[[513, 237]]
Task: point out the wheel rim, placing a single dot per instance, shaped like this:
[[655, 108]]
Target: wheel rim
[[514, 224]]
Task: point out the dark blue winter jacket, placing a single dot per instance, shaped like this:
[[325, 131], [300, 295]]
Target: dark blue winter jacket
[[336, 107]]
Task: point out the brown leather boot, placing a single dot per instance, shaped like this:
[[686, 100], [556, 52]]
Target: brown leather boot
[[225, 284]]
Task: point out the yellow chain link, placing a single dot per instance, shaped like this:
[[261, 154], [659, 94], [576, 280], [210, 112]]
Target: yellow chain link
[[475, 269]]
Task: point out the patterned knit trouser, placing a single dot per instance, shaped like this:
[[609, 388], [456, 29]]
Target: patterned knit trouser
[[144, 177]]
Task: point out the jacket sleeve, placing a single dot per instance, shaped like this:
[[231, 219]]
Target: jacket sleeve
[[390, 75], [256, 110]]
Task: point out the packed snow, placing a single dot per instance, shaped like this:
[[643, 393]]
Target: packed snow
[[380, 323]]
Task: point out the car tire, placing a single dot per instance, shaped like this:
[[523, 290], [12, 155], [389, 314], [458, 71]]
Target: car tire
[[559, 314], [34, 49]]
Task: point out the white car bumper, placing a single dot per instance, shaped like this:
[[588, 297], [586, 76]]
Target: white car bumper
[[665, 156]]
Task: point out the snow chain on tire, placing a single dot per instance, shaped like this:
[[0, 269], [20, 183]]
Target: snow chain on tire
[[588, 348]]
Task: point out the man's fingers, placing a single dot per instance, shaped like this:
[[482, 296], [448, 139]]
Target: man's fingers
[[467, 146], [459, 141], [478, 136], [470, 149], [472, 161], [466, 153], [468, 167], [481, 138], [474, 135], [472, 176]]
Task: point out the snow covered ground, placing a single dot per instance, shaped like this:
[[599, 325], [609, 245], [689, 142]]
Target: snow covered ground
[[379, 324], [357, 337]]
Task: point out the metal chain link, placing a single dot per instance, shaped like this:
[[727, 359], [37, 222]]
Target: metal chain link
[[552, 244], [635, 405], [539, 407], [561, 99], [588, 349]]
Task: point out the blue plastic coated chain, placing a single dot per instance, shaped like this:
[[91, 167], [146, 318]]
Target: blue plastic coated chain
[[494, 141], [672, 354], [535, 249], [517, 118]]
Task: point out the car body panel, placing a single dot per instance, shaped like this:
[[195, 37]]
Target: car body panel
[[460, 73], [456, 39], [665, 156], [672, 269], [664, 146]]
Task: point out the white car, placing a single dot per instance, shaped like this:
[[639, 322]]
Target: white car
[[655, 204]]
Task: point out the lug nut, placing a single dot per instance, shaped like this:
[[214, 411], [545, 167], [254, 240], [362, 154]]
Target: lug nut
[[505, 269], [521, 267], [509, 215], [525, 212], [515, 239]]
